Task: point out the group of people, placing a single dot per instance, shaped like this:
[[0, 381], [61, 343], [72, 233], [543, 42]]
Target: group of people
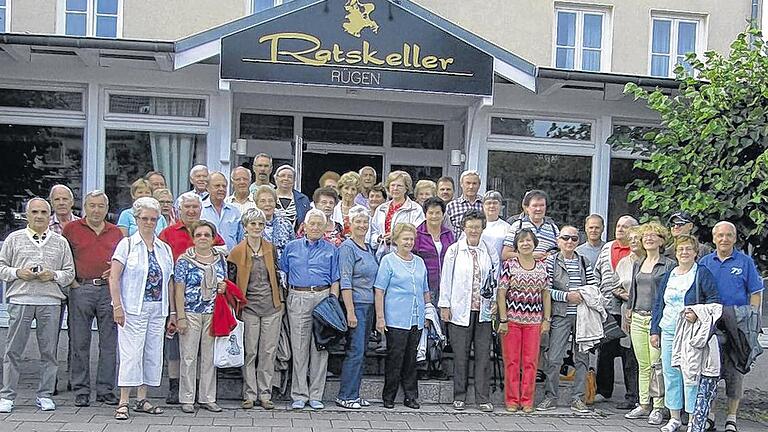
[[400, 265]]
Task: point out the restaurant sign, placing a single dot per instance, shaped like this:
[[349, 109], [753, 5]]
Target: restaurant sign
[[357, 43]]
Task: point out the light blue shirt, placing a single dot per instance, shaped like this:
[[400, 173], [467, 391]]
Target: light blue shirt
[[310, 263], [404, 284], [227, 223], [358, 269], [128, 220]]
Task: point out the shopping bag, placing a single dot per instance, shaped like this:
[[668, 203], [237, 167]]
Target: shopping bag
[[229, 351], [656, 386]]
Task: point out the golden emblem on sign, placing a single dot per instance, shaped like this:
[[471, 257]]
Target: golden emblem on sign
[[358, 18]]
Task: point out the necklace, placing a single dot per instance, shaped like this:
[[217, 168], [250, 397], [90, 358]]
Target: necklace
[[199, 255]]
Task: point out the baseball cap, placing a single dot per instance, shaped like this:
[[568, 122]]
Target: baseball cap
[[680, 217]]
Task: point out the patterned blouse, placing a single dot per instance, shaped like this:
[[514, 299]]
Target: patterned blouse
[[524, 290], [279, 232], [153, 291], [195, 300]]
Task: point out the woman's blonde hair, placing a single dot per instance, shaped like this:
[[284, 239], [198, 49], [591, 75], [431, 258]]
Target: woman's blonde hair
[[350, 178], [401, 228], [687, 239], [425, 184], [139, 184], [400, 175], [656, 228]]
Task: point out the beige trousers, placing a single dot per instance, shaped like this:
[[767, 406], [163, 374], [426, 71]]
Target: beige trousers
[[197, 339], [307, 360], [261, 336]]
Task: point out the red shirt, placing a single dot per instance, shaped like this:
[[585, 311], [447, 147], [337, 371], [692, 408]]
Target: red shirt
[[390, 214], [92, 252], [179, 239], [617, 253]]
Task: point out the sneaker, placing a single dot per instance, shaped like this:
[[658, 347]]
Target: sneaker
[[625, 405], [672, 425], [316, 404], [6, 405], [547, 404], [458, 405], [267, 404], [656, 417], [579, 406], [637, 413], [298, 404], [45, 404], [600, 398], [485, 407]]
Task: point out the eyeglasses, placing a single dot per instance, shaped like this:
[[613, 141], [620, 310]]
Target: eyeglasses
[[569, 238], [166, 202], [679, 224], [148, 219]]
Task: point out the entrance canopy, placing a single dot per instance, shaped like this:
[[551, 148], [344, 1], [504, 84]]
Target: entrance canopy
[[374, 44]]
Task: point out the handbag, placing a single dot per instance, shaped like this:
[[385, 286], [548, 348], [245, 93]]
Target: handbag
[[229, 351], [656, 385], [489, 287], [591, 387], [611, 330]]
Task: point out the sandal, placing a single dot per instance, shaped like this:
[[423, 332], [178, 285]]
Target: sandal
[[710, 425], [348, 404], [145, 407], [730, 426], [120, 413]]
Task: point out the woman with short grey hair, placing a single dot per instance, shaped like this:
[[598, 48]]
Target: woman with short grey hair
[[357, 267], [277, 229], [496, 228]]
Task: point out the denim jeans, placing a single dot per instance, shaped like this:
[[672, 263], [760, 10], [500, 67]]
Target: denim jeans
[[357, 340]]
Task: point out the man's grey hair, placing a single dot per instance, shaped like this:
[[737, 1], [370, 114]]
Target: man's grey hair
[[723, 223], [96, 193], [195, 169], [145, 203], [315, 213], [263, 155], [61, 186], [29, 201], [239, 168], [469, 173], [190, 196], [252, 215], [631, 219], [493, 196], [218, 173], [358, 211], [368, 168], [260, 190]]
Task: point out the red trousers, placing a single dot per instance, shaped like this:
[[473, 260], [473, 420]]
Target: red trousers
[[520, 347]]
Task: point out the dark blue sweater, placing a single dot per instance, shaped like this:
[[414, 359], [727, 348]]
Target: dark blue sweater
[[704, 285]]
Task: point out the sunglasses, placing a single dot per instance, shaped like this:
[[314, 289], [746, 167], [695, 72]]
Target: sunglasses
[[571, 238]]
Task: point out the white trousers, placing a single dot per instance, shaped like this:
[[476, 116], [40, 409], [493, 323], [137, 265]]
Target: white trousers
[[140, 343]]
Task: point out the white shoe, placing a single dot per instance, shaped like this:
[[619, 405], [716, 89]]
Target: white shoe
[[637, 413], [672, 425], [6, 405], [656, 417], [45, 404]]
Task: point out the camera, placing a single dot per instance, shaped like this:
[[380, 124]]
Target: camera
[[37, 269]]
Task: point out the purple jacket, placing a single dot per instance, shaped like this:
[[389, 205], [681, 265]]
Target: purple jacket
[[425, 248]]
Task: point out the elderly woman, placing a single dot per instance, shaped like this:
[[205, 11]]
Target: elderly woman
[[376, 197], [291, 204], [330, 179], [432, 241], [349, 184], [141, 291], [278, 230], [312, 268], [399, 209], [401, 294], [424, 190], [647, 273], [127, 221], [325, 200], [524, 313], [495, 228], [469, 269], [199, 275], [252, 265], [165, 198], [686, 285], [367, 181], [357, 267], [623, 272]]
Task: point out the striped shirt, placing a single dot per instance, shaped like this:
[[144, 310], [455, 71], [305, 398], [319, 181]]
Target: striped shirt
[[574, 282], [524, 289], [547, 233]]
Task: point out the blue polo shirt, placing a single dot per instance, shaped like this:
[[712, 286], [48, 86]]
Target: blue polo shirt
[[310, 263], [737, 277]]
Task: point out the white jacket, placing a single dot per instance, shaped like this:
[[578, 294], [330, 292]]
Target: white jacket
[[590, 315], [456, 281], [430, 314], [695, 349], [410, 212]]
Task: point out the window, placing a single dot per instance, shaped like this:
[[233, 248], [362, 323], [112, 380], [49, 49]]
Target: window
[[157, 106], [581, 40], [419, 172], [41, 99], [417, 136], [671, 39], [541, 128], [5, 17], [261, 5], [623, 172], [343, 131], [100, 18], [266, 127]]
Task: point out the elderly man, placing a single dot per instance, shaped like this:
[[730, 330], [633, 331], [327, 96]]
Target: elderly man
[[325, 200], [179, 238], [156, 180], [469, 199], [594, 225], [445, 187], [93, 241], [262, 168], [682, 223], [535, 218], [312, 268], [36, 263], [241, 197], [225, 216], [367, 181], [62, 200], [198, 176], [740, 285], [568, 271], [605, 274]]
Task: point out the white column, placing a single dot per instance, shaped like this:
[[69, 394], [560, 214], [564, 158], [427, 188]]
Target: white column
[[94, 149], [220, 136]]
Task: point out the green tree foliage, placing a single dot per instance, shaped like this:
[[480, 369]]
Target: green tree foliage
[[710, 157]]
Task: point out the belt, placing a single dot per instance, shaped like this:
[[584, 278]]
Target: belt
[[642, 313], [94, 282], [313, 288]]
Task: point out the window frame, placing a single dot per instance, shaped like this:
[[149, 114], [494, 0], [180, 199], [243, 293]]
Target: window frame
[[498, 141], [7, 8], [21, 113], [250, 9], [676, 18], [90, 20], [157, 119], [606, 40]]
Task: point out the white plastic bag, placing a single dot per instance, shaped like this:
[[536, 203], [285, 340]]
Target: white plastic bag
[[229, 351]]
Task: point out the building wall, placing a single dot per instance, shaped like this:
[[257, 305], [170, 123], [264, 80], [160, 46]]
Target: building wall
[[33, 16], [174, 19]]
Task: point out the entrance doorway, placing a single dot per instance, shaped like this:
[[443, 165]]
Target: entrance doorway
[[315, 164]]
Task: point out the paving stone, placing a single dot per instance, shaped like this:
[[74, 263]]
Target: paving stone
[[350, 424], [126, 427], [427, 425], [310, 423], [28, 417], [388, 424], [70, 418], [35, 426], [83, 427], [209, 429], [165, 428], [239, 421], [192, 421]]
